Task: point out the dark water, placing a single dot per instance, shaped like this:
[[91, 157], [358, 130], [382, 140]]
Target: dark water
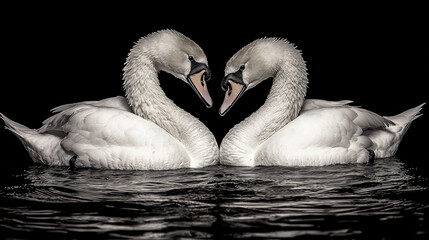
[[387, 200]]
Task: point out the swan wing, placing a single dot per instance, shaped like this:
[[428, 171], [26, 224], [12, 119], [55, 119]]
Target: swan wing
[[310, 104], [317, 137], [117, 102], [63, 112], [366, 119], [321, 136], [105, 137]]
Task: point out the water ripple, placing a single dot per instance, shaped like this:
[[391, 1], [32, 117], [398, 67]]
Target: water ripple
[[334, 202]]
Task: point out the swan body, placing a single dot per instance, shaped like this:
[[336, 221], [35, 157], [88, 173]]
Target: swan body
[[144, 131], [291, 131]]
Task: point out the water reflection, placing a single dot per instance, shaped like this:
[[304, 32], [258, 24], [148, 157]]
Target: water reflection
[[343, 201]]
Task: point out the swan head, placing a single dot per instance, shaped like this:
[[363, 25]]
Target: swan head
[[254, 63], [174, 53]]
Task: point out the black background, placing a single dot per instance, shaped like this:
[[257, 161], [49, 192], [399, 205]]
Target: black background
[[53, 55]]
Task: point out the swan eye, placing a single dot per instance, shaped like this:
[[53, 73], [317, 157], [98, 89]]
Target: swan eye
[[242, 67], [191, 58]]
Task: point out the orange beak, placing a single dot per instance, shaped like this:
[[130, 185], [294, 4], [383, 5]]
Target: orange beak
[[233, 93], [198, 83]]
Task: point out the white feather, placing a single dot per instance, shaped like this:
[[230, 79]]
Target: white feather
[[107, 133], [289, 130]]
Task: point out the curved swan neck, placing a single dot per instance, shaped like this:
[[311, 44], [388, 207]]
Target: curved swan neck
[[283, 104], [148, 100]]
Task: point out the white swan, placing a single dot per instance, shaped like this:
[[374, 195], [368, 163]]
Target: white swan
[[107, 134], [289, 131]]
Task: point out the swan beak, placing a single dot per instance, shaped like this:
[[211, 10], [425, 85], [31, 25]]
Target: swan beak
[[233, 92], [199, 84]]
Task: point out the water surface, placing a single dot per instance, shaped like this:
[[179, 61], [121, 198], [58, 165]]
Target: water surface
[[387, 200]]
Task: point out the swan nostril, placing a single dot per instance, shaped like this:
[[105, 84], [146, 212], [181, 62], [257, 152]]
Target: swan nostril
[[202, 79], [229, 89]]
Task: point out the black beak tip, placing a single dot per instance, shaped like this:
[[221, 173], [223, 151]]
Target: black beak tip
[[206, 103]]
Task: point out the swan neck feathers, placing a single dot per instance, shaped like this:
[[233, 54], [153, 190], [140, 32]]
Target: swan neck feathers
[[282, 105], [148, 100]]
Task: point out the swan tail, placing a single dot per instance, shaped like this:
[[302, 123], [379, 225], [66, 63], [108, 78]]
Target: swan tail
[[388, 141], [42, 148], [18, 129], [403, 120]]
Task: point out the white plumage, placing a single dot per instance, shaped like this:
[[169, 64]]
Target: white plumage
[[153, 133], [289, 130]]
